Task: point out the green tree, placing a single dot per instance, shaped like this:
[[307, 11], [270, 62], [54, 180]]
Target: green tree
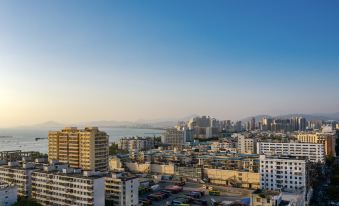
[[114, 150]]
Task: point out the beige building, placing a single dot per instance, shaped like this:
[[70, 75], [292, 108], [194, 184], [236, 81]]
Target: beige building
[[266, 198], [246, 145], [86, 148], [233, 178], [115, 164], [327, 139]]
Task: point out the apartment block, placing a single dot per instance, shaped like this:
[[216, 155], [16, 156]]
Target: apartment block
[[314, 151], [19, 175], [285, 173], [8, 194], [327, 139], [246, 145], [59, 185], [17, 155], [80, 148], [122, 190], [174, 137], [136, 143]]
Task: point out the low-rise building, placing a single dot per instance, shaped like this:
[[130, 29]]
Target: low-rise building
[[314, 151], [8, 194], [136, 143], [122, 190], [266, 198], [246, 145], [19, 175], [18, 155], [115, 164], [233, 178], [57, 184]]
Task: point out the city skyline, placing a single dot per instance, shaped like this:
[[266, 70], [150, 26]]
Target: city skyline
[[76, 62]]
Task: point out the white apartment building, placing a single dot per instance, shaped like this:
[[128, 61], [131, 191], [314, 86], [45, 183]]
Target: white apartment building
[[8, 194], [314, 151], [122, 190], [59, 185], [284, 173], [136, 143], [246, 145], [19, 175]]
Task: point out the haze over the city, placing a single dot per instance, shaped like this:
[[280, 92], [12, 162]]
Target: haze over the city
[[76, 61]]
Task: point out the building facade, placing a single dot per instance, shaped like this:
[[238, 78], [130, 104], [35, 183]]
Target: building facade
[[59, 185], [86, 149], [136, 143], [246, 145], [174, 137], [284, 173], [327, 139], [19, 175], [122, 190], [314, 151]]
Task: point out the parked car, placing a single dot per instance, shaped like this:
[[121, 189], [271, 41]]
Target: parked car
[[156, 197], [214, 192], [194, 194], [145, 202], [166, 192], [180, 183], [198, 202]]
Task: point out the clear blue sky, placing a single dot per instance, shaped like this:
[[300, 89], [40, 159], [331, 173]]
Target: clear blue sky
[[83, 60]]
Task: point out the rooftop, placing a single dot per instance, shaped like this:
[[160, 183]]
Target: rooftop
[[266, 193]]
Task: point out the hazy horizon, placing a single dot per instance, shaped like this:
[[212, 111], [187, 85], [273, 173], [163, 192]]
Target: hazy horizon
[[79, 61]]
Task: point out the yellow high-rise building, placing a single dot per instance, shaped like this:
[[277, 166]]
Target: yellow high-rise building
[[86, 148]]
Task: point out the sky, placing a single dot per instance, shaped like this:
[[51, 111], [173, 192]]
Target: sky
[[79, 60]]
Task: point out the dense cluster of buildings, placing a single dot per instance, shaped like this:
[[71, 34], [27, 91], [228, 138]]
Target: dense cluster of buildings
[[79, 170]]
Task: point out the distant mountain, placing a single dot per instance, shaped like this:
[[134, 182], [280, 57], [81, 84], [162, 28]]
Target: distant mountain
[[141, 123], [48, 124], [318, 116]]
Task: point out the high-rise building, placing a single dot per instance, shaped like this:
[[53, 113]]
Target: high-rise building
[[174, 137], [301, 124], [252, 124], [86, 148], [267, 124], [204, 127]]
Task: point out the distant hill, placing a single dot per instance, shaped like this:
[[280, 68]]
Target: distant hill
[[149, 124], [319, 116]]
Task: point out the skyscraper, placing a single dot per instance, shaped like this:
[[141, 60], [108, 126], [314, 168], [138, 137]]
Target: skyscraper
[[86, 149]]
